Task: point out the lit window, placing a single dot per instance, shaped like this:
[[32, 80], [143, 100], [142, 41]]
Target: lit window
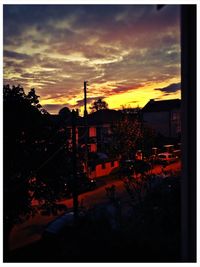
[[92, 132]]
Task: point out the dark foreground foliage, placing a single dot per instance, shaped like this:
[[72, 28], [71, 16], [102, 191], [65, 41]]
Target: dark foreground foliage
[[149, 232]]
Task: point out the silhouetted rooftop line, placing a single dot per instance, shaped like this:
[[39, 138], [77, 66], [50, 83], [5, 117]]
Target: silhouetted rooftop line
[[162, 105]]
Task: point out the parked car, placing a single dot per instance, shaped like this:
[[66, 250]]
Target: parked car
[[127, 167], [152, 158], [166, 157], [62, 225], [177, 153]]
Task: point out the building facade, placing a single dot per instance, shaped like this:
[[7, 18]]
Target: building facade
[[163, 116]]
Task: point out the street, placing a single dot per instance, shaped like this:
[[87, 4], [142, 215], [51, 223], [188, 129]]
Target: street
[[32, 229]]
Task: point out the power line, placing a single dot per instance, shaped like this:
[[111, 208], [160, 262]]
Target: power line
[[50, 158]]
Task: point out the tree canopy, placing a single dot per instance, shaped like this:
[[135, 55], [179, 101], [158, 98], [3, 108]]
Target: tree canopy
[[98, 105], [64, 112], [36, 156], [126, 132]]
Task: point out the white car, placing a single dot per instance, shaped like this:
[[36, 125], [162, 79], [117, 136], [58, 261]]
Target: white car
[[166, 157]]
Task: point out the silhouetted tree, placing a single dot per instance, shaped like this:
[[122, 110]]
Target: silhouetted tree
[[129, 134], [147, 141], [35, 159], [125, 134], [64, 112], [98, 104], [33, 98], [21, 117]]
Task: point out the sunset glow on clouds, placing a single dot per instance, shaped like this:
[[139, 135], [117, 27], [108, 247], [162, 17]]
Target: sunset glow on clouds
[[128, 54]]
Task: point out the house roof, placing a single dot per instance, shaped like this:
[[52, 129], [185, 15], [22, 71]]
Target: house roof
[[98, 118], [103, 116], [163, 105], [59, 121]]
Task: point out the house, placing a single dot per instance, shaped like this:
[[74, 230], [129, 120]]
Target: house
[[99, 141], [100, 128], [93, 132], [163, 116]]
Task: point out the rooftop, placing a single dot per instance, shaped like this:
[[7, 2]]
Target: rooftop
[[162, 105], [103, 116]]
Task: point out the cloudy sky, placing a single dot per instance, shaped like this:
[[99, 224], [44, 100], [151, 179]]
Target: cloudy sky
[[128, 53]]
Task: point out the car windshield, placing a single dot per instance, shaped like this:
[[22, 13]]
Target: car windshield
[[60, 223]]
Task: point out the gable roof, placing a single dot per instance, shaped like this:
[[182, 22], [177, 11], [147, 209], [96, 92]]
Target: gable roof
[[163, 105]]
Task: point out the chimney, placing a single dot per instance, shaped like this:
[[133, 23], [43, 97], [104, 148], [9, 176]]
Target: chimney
[[77, 112]]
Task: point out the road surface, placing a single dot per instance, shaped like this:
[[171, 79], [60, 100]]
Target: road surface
[[32, 229]]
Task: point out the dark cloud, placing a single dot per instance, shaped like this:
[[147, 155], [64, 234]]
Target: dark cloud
[[123, 89], [35, 14], [53, 108], [172, 88], [27, 75], [106, 20], [11, 54]]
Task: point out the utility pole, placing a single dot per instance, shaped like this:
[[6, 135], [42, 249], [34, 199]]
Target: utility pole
[[85, 98], [74, 166], [86, 126]]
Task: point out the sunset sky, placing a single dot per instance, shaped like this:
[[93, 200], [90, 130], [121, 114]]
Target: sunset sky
[[128, 53]]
